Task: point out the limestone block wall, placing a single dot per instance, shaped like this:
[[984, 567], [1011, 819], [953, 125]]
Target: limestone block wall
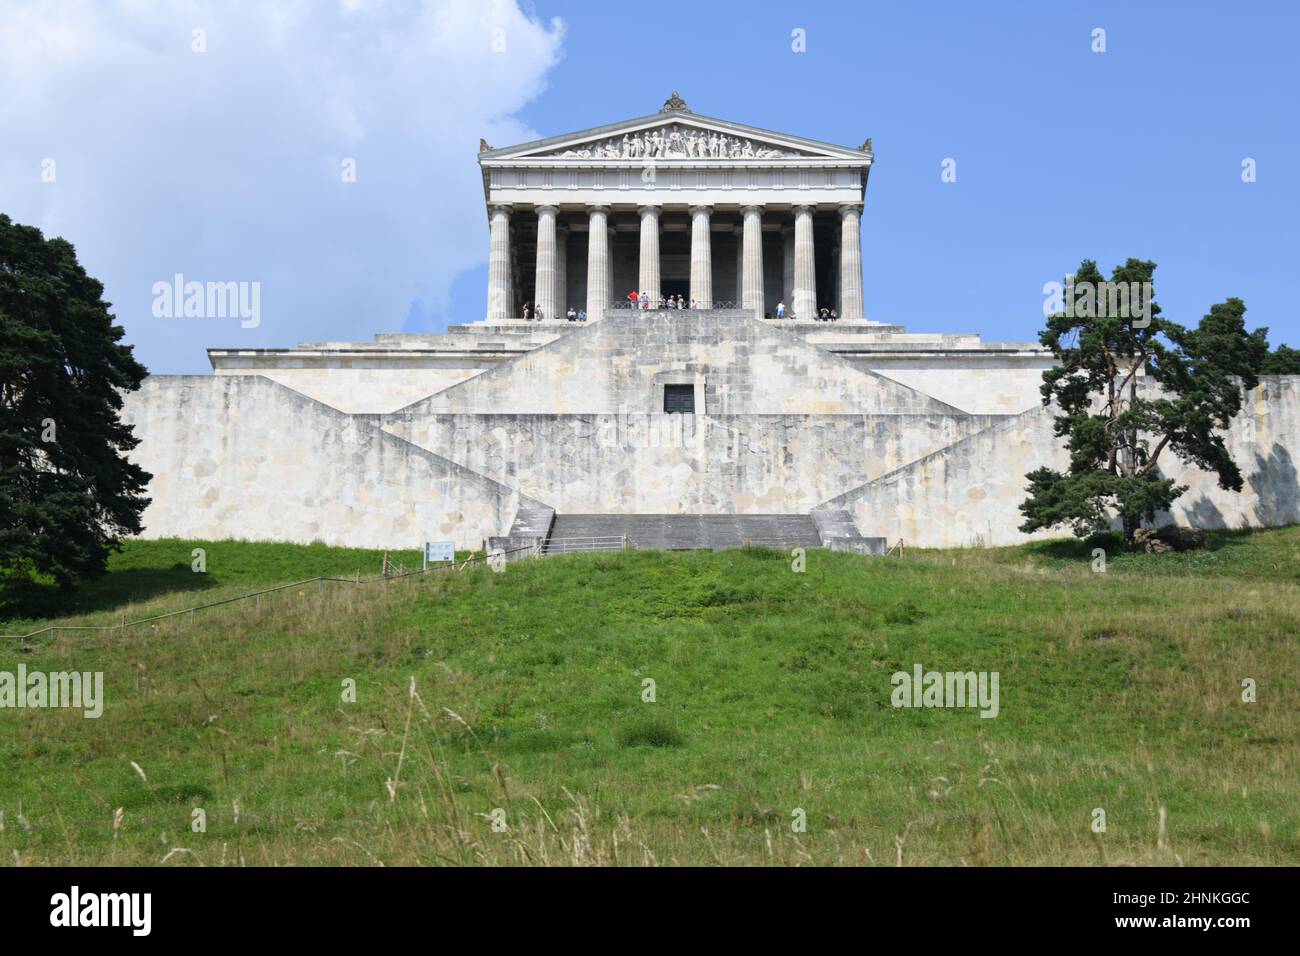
[[970, 492], [745, 365], [965, 494], [367, 390], [993, 385], [672, 464], [242, 456], [787, 428], [1265, 443]]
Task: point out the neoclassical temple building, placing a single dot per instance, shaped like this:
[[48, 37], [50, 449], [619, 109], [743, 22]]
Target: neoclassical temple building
[[675, 204], [699, 427]]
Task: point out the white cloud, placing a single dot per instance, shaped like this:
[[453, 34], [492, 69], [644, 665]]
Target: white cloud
[[226, 165]]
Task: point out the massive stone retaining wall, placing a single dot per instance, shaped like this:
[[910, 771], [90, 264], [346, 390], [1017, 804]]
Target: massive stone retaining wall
[[1264, 441], [361, 390], [675, 464], [245, 457], [970, 492], [242, 456], [742, 365], [981, 385]]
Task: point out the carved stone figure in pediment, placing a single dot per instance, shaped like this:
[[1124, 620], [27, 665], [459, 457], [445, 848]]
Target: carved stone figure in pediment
[[675, 141]]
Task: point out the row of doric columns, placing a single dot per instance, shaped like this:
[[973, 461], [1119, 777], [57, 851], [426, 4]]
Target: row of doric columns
[[798, 267]]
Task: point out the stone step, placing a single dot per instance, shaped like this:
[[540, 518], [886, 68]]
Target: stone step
[[689, 532]]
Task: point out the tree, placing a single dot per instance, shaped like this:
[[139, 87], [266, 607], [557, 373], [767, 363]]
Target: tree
[[1116, 432], [67, 493], [1283, 360]]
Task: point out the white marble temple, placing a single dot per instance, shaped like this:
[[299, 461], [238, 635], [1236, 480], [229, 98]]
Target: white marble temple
[[650, 175]]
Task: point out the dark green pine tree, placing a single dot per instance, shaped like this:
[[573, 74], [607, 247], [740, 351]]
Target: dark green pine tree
[[1283, 360], [67, 493], [1115, 431]]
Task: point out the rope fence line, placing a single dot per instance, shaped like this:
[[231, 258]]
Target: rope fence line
[[318, 581]]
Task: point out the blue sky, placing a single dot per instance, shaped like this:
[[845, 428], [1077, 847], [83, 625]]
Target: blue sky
[[223, 165], [1061, 153]]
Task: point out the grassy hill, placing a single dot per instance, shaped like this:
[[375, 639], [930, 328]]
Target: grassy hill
[[517, 698]]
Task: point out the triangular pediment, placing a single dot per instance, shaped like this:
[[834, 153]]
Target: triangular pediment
[[674, 136]]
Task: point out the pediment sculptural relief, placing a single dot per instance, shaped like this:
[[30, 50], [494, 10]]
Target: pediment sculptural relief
[[674, 141]]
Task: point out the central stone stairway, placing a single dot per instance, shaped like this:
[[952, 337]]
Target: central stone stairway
[[688, 532]]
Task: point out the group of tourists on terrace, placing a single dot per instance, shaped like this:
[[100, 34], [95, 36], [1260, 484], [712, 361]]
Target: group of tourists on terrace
[[574, 315], [644, 301]]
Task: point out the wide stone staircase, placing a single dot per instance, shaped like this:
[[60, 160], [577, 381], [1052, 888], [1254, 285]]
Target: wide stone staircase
[[600, 532], [537, 529]]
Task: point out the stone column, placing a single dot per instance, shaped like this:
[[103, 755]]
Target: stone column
[[752, 294], [701, 257], [851, 306], [561, 270], [787, 268], [501, 296], [544, 297], [805, 275], [648, 276], [597, 262]]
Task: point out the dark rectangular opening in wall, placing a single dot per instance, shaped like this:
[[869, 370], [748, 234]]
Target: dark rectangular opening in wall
[[679, 398]]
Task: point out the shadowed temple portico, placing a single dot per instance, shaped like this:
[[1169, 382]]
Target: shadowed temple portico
[[675, 204]]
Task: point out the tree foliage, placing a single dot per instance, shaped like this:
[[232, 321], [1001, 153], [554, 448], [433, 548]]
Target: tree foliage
[[1283, 360], [1129, 387], [67, 493]]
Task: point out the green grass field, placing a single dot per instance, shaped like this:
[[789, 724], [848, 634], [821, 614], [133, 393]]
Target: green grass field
[[499, 717]]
